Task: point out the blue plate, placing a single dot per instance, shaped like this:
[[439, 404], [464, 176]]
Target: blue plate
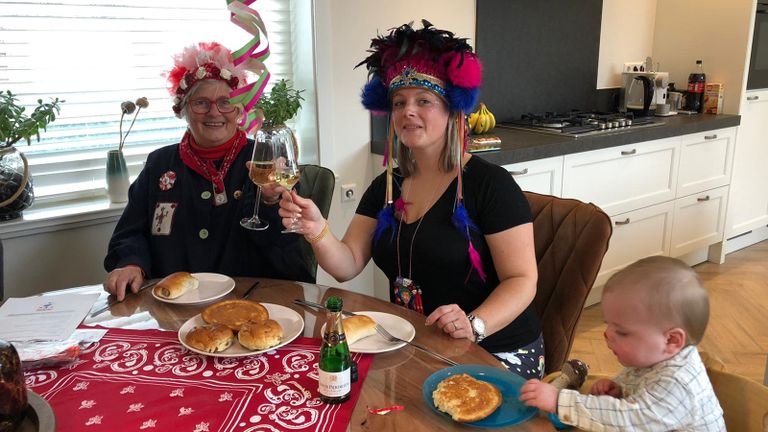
[[511, 411]]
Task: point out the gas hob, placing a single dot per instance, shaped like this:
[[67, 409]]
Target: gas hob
[[579, 123]]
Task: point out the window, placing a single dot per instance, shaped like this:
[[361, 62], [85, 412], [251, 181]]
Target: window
[[97, 53]]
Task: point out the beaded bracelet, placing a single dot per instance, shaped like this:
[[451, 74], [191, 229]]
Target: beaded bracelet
[[312, 240]]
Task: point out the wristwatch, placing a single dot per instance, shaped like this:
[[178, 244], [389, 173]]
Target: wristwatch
[[478, 327]]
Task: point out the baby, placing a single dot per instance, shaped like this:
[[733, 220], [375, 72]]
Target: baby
[[656, 311]]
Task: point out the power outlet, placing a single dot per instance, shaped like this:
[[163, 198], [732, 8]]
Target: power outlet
[[349, 192]]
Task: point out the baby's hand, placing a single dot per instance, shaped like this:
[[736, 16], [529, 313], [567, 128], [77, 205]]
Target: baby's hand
[[540, 395], [606, 387]]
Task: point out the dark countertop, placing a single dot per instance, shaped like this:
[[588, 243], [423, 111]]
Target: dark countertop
[[521, 146]]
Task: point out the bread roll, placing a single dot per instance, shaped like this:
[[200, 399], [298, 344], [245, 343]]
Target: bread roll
[[175, 284], [234, 313], [358, 327], [210, 338], [260, 335], [465, 398]]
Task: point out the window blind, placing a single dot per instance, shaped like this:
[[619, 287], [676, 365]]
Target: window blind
[[95, 54]]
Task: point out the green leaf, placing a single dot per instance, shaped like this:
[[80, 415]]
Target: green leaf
[[281, 104], [15, 125]]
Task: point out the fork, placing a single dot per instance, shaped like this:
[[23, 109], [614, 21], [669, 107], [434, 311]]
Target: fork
[[383, 333], [394, 339]]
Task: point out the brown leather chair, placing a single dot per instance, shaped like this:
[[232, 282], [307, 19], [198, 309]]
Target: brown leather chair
[[571, 238]]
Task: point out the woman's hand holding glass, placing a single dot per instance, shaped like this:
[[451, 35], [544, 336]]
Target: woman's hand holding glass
[[286, 165], [293, 207]]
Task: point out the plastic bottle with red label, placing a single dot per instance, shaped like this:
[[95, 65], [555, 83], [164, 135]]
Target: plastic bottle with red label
[[694, 98]]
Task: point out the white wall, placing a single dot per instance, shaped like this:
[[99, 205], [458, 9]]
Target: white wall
[[715, 31], [626, 35], [53, 260], [343, 32]]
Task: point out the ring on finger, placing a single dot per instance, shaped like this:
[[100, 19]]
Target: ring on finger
[[454, 326]]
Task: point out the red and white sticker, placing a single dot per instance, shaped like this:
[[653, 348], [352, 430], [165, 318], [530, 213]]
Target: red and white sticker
[[167, 180], [163, 218]]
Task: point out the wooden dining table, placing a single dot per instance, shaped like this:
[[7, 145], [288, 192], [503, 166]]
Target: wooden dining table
[[394, 378]]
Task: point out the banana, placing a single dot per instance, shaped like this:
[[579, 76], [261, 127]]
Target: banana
[[482, 120], [473, 120]]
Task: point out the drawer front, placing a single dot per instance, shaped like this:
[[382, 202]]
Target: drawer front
[[699, 221], [544, 176], [636, 235], [705, 161], [625, 178]]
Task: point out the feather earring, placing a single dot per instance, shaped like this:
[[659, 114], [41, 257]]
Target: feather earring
[[385, 218]]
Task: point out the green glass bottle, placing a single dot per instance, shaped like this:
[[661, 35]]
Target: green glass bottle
[[335, 363]]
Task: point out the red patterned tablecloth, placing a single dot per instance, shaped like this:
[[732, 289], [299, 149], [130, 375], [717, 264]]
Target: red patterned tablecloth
[[139, 380]]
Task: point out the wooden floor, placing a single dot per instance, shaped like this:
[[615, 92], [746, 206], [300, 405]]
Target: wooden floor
[[738, 325]]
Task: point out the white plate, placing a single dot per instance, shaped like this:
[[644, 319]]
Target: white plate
[[212, 286], [292, 324], [399, 327]]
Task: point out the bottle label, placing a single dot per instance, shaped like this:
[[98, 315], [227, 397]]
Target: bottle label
[[334, 384], [696, 87]]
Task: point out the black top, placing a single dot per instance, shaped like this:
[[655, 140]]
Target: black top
[[440, 263], [179, 229]]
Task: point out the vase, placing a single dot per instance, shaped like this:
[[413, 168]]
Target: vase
[[16, 193], [13, 394], [117, 177]]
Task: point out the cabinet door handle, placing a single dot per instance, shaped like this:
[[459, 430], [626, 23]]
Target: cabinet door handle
[[523, 172], [628, 152], [753, 98], [710, 137], [700, 199], [624, 222]]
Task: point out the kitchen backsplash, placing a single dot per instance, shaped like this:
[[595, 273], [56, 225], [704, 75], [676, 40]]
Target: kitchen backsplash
[[540, 56]]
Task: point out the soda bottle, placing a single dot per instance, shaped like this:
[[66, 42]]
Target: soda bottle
[[694, 98], [335, 366]]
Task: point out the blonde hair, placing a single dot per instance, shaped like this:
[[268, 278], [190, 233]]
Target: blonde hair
[[671, 291], [447, 157]]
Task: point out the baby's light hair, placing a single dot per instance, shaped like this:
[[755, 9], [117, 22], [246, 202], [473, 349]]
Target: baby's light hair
[[671, 292]]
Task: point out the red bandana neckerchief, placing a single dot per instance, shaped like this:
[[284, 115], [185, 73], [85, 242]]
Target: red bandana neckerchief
[[200, 159]]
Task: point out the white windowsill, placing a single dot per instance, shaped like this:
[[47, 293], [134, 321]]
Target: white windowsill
[[61, 216]]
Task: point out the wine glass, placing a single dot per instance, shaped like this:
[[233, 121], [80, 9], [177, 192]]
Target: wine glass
[[261, 174], [286, 165]]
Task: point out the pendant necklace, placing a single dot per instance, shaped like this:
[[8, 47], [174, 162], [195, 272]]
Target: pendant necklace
[[407, 292]]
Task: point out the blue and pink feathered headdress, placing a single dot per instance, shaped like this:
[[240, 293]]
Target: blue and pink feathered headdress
[[436, 60]]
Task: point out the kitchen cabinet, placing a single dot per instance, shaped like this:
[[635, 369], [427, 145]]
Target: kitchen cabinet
[[636, 234], [544, 176], [748, 202], [699, 221], [624, 178], [664, 197]]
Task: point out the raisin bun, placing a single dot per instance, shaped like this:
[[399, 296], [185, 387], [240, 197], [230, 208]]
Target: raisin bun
[[234, 313], [465, 398], [210, 338], [175, 285], [260, 335], [358, 327]]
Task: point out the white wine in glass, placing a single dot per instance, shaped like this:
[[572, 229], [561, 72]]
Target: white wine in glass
[[286, 166], [261, 173]]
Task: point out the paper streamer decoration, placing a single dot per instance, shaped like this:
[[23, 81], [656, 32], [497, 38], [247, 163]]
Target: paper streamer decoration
[[252, 55]]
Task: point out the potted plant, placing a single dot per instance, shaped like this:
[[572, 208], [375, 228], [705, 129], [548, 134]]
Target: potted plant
[[117, 176], [16, 193], [280, 105]]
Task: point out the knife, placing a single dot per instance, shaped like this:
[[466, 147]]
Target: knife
[[109, 304], [248, 292]]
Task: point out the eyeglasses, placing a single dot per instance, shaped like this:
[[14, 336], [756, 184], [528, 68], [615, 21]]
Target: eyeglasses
[[203, 106]]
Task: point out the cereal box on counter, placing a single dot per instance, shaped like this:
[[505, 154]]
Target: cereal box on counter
[[713, 98]]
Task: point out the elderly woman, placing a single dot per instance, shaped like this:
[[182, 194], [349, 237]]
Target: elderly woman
[[184, 208], [452, 232]]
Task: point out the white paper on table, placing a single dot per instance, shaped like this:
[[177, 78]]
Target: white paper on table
[[44, 317]]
